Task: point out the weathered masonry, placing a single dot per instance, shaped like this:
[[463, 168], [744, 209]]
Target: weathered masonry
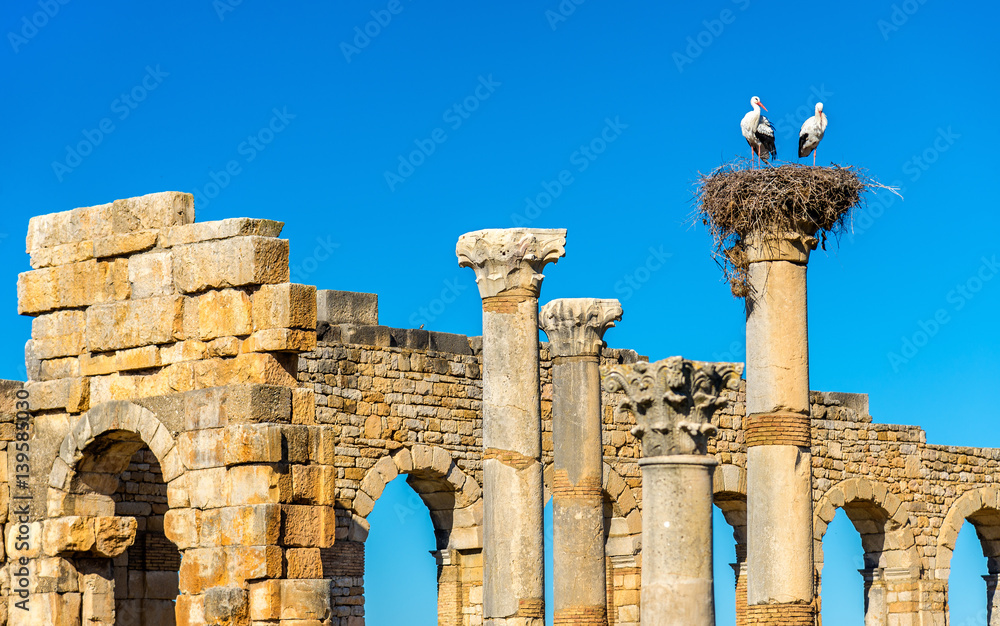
[[208, 440]]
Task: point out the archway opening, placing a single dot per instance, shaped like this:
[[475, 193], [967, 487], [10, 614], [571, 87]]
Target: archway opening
[[725, 568], [842, 591], [401, 571], [974, 569], [119, 476]]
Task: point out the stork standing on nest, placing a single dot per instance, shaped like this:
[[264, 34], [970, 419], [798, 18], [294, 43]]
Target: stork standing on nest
[[812, 133], [758, 132]]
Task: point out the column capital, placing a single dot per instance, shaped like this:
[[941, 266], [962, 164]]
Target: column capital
[[673, 401], [576, 326], [786, 246], [510, 259]]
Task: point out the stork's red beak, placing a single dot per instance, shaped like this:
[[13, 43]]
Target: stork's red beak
[[762, 106]]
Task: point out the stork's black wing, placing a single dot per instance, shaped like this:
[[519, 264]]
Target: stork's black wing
[[765, 135]]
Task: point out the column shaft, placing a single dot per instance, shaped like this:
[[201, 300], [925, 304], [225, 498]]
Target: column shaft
[[513, 570], [577, 508], [677, 582], [779, 464]]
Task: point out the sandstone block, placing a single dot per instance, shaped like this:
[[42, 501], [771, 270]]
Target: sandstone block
[[303, 563], [305, 600], [347, 307], [137, 358], [181, 527], [202, 568], [227, 606], [191, 350], [118, 244], [257, 484], [265, 600], [309, 526], [113, 535], [72, 286], [68, 534], [134, 323], [303, 406], [314, 484], [230, 263], [221, 229], [251, 368], [58, 334], [151, 274], [322, 445], [224, 313], [152, 211], [224, 346], [252, 443], [284, 306], [253, 525], [66, 227], [280, 340], [201, 449], [62, 254], [237, 404], [206, 488], [253, 562], [53, 369], [54, 394], [98, 364]]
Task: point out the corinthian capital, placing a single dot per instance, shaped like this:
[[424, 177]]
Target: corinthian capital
[[575, 326], [673, 401], [510, 259]]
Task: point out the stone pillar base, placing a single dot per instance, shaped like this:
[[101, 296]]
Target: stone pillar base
[[791, 614], [581, 616]]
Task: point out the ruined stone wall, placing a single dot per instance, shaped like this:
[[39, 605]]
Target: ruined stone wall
[[204, 452]]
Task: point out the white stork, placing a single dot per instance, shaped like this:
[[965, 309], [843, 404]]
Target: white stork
[[812, 133], [758, 132]]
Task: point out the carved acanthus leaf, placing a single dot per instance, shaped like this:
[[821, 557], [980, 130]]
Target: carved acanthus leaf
[[506, 259], [673, 400], [576, 326]]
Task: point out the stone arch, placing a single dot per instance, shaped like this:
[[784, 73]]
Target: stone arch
[[879, 516], [891, 562], [453, 497], [454, 500], [111, 530], [981, 507]]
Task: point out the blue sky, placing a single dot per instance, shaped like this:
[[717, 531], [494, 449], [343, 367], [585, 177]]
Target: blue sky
[[378, 150]]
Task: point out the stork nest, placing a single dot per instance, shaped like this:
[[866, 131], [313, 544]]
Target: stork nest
[[735, 201]]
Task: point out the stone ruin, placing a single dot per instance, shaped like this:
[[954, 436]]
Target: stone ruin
[[201, 442]]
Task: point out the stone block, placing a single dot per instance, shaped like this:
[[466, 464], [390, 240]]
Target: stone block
[[303, 406], [253, 562], [225, 346], [227, 606], [347, 307], [53, 394], [253, 525], [161, 586], [265, 600], [68, 534], [309, 526], [252, 443], [237, 404], [151, 274], [202, 449], [202, 568], [305, 599], [206, 488], [448, 342], [250, 368], [322, 445], [224, 313], [190, 350], [303, 563], [152, 211], [280, 340], [134, 323], [62, 254], [181, 527], [119, 244], [137, 358], [67, 227], [53, 369], [285, 306], [113, 535], [72, 286], [221, 229], [98, 364], [230, 263], [257, 484], [314, 484]]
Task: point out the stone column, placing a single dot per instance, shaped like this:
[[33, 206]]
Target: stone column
[[876, 606], [992, 600], [508, 265], [673, 401], [575, 328], [779, 463]]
